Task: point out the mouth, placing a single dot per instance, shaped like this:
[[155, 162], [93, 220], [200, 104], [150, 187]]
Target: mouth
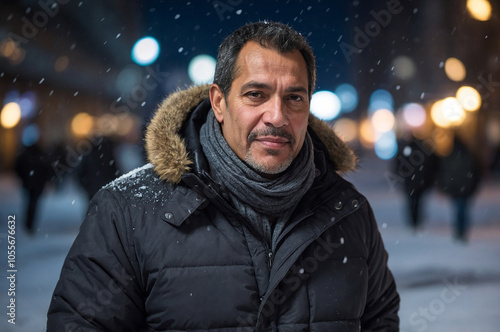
[[273, 142], [272, 138]]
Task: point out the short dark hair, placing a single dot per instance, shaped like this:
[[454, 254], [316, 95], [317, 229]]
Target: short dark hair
[[273, 35]]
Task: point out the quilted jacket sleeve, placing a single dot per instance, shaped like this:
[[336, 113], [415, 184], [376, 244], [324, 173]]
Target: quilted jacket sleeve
[[381, 311], [98, 289]]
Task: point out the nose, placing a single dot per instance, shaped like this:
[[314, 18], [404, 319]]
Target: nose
[[275, 115]]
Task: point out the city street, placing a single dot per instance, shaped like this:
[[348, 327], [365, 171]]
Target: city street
[[444, 285]]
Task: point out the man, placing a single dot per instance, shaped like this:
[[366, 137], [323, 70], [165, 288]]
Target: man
[[240, 222]]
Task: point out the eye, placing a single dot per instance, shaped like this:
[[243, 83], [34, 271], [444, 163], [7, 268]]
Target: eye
[[254, 94], [295, 98]]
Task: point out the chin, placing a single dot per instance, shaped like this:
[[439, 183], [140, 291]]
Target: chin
[[272, 168]]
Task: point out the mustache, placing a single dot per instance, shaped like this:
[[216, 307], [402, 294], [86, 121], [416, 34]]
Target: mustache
[[271, 131]]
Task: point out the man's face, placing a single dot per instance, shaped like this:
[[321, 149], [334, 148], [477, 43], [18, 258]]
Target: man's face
[[264, 118]]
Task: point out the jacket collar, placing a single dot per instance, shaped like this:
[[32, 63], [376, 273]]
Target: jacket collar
[[167, 150]]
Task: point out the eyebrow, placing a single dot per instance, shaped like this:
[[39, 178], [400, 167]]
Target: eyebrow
[[260, 85], [255, 85]]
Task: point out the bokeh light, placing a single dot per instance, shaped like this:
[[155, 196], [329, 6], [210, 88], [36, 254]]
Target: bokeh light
[[479, 9], [30, 135], [325, 105], [453, 111], [28, 102], [386, 145], [383, 120], [447, 113], [346, 129], [469, 98], [381, 99], [145, 51], [128, 79], [107, 124], [348, 97], [10, 50], [404, 67], [455, 69], [61, 63], [82, 124], [493, 131], [201, 69], [11, 114], [367, 134], [126, 124], [414, 114]]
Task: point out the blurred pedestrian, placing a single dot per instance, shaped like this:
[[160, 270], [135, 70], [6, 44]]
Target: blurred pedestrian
[[33, 168], [56, 157], [416, 163], [98, 167], [459, 176]]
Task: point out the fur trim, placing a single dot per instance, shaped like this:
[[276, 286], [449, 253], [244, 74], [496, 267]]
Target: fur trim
[[166, 150]]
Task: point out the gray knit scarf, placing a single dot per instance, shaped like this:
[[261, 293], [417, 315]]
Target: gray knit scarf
[[267, 203]]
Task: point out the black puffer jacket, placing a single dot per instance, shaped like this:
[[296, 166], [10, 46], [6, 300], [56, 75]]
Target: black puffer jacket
[[161, 250]]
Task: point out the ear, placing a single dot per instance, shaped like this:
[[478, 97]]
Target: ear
[[218, 102]]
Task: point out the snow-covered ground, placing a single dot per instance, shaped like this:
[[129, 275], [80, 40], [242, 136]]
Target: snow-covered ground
[[444, 285]]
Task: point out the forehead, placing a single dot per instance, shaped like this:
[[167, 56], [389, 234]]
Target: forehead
[[256, 60]]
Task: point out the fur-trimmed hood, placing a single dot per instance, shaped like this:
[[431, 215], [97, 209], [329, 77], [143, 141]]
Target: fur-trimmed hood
[[167, 151]]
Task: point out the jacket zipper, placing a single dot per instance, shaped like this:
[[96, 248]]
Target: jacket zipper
[[249, 224]]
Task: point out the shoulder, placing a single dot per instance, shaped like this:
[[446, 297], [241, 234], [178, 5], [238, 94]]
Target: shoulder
[[141, 186]]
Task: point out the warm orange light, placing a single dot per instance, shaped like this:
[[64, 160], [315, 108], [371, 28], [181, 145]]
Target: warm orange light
[[455, 69], [347, 129], [11, 115], [82, 124], [447, 113], [7, 48], [107, 124], [367, 134], [479, 9], [469, 98], [383, 120], [125, 124]]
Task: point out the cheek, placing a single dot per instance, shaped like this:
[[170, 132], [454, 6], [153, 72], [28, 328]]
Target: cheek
[[300, 127]]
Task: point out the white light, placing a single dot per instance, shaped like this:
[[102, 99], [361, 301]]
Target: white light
[[383, 120], [469, 98], [201, 69], [145, 51], [414, 114], [348, 97], [325, 105], [452, 110]]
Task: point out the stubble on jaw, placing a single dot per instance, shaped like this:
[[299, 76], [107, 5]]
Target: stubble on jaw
[[264, 168]]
